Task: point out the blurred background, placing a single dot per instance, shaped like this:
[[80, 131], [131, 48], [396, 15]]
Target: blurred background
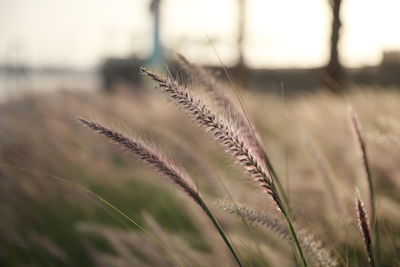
[[303, 45], [297, 66]]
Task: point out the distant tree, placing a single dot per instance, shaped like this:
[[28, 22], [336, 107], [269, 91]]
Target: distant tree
[[157, 55], [241, 29], [334, 78], [240, 70]]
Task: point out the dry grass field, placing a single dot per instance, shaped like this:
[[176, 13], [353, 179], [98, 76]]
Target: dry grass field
[[70, 198]]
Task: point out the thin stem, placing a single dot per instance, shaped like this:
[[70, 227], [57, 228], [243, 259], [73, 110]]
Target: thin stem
[[297, 247], [371, 258], [363, 148], [374, 220], [220, 231], [164, 166], [370, 184], [279, 184]]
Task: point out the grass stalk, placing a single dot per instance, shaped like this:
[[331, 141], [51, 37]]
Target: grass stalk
[[210, 85], [235, 143], [298, 252], [220, 231], [357, 130], [165, 166], [364, 227]]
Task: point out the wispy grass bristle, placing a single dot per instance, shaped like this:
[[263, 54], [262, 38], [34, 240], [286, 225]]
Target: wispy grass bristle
[[165, 166], [233, 142], [314, 249], [209, 84], [359, 137], [236, 116], [360, 141], [156, 159], [221, 131]]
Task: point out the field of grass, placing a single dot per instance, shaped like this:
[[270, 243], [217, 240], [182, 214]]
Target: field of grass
[[69, 198]]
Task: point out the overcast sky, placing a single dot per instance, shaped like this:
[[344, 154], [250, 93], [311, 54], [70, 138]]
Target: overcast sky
[[294, 33]]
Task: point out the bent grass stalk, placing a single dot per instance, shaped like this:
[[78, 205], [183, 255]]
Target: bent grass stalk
[[210, 85], [362, 220], [166, 167], [233, 142], [356, 126], [359, 137]]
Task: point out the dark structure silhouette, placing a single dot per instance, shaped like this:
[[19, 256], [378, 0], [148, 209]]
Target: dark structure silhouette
[[241, 71], [334, 78], [126, 70], [293, 80]]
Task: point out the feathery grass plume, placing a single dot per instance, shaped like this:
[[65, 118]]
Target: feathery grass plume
[[165, 166], [221, 131], [194, 159], [362, 220], [255, 217], [157, 160], [358, 134], [236, 116], [211, 86], [314, 249], [233, 141]]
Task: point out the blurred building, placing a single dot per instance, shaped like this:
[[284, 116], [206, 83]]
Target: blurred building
[[126, 70]]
